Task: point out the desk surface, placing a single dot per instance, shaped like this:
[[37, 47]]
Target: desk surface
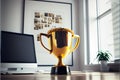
[[73, 76]]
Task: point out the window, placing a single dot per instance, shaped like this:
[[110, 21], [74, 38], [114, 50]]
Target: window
[[103, 28]]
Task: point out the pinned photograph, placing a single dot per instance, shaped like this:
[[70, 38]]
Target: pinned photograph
[[37, 14]]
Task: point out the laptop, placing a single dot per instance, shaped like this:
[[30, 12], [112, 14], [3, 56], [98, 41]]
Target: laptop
[[17, 53]]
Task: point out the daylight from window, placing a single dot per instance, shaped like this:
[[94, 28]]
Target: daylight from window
[[104, 28]]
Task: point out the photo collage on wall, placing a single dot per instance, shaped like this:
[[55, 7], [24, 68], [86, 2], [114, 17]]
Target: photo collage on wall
[[40, 16], [44, 20]]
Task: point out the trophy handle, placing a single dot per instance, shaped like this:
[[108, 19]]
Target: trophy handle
[[42, 34], [77, 42]]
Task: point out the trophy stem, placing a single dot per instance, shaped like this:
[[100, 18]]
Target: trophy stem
[[60, 62]]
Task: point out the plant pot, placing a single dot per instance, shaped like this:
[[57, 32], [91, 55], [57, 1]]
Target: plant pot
[[104, 66]]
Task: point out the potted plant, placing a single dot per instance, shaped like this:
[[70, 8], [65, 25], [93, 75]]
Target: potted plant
[[103, 57]]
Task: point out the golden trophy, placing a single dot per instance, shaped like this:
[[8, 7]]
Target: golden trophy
[[60, 40]]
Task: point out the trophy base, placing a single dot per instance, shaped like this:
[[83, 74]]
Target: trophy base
[[60, 70]]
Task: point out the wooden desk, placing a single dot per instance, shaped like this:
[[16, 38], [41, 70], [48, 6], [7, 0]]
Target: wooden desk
[[73, 76]]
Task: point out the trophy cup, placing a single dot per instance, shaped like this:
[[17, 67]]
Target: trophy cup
[[60, 40]]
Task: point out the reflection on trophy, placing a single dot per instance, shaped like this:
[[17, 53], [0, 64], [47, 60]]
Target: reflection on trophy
[[60, 40]]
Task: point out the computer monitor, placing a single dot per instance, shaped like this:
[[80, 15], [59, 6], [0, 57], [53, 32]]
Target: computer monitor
[[17, 53]]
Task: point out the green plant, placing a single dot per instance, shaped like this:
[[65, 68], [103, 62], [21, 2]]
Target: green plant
[[103, 55]]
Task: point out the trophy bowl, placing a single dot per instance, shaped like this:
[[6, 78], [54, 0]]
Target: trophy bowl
[[60, 42]]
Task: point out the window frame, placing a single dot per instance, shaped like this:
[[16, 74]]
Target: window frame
[[98, 17]]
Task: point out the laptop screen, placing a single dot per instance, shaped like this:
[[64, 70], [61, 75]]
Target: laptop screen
[[17, 48]]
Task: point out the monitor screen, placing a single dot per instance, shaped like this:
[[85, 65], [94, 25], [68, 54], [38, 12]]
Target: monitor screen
[[17, 48]]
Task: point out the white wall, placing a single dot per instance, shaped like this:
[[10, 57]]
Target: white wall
[[11, 15], [0, 15], [0, 30], [82, 32], [12, 21], [0, 18]]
